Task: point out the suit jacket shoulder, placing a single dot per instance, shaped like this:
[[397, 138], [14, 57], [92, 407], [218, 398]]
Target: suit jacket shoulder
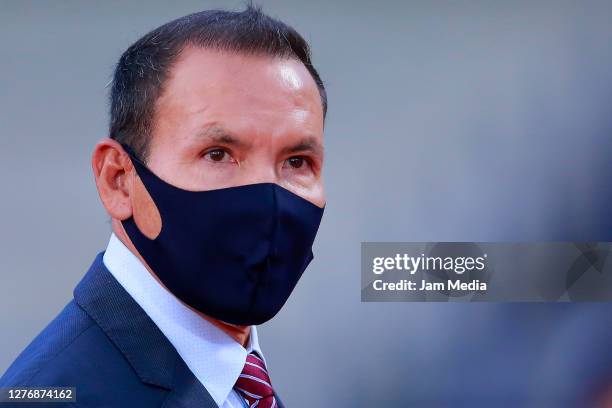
[[37, 357], [103, 344]]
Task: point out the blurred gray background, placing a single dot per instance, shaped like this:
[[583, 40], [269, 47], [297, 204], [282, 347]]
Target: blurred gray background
[[469, 121]]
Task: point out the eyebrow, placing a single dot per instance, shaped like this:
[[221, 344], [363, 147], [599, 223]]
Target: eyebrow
[[309, 144], [217, 134]]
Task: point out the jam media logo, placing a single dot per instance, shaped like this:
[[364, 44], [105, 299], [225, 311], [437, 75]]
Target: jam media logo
[[466, 282], [588, 277]]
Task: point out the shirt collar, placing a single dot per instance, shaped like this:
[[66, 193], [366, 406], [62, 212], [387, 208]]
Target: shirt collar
[[214, 358]]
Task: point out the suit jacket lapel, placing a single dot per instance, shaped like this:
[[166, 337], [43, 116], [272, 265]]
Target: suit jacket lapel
[[188, 392], [144, 346]]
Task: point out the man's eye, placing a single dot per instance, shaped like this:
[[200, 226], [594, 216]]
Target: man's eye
[[296, 162], [218, 155]]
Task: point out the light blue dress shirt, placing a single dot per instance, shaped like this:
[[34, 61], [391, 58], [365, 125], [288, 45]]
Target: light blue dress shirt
[[213, 357]]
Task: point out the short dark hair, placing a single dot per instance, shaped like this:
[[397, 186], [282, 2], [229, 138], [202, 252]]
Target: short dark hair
[[142, 69]]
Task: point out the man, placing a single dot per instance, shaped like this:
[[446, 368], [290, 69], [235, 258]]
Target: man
[[212, 178]]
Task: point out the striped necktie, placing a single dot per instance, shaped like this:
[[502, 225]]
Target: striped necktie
[[254, 384]]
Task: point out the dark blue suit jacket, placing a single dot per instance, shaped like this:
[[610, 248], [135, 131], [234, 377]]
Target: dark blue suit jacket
[[106, 346]]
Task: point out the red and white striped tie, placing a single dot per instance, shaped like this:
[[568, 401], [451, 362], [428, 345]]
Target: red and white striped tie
[[254, 384]]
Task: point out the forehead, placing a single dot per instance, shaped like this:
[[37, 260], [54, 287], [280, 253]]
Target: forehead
[[257, 91]]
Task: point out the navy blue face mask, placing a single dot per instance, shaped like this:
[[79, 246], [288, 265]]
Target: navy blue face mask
[[234, 254]]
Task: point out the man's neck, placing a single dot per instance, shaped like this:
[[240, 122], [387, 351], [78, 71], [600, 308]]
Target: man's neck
[[239, 333]]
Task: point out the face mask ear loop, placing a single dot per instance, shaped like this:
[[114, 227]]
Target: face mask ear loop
[[132, 155], [135, 162]]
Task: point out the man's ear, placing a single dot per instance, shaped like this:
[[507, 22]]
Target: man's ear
[[121, 190], [112, 169]]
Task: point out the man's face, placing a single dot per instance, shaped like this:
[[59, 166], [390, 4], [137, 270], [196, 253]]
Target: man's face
[[226, 119]]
